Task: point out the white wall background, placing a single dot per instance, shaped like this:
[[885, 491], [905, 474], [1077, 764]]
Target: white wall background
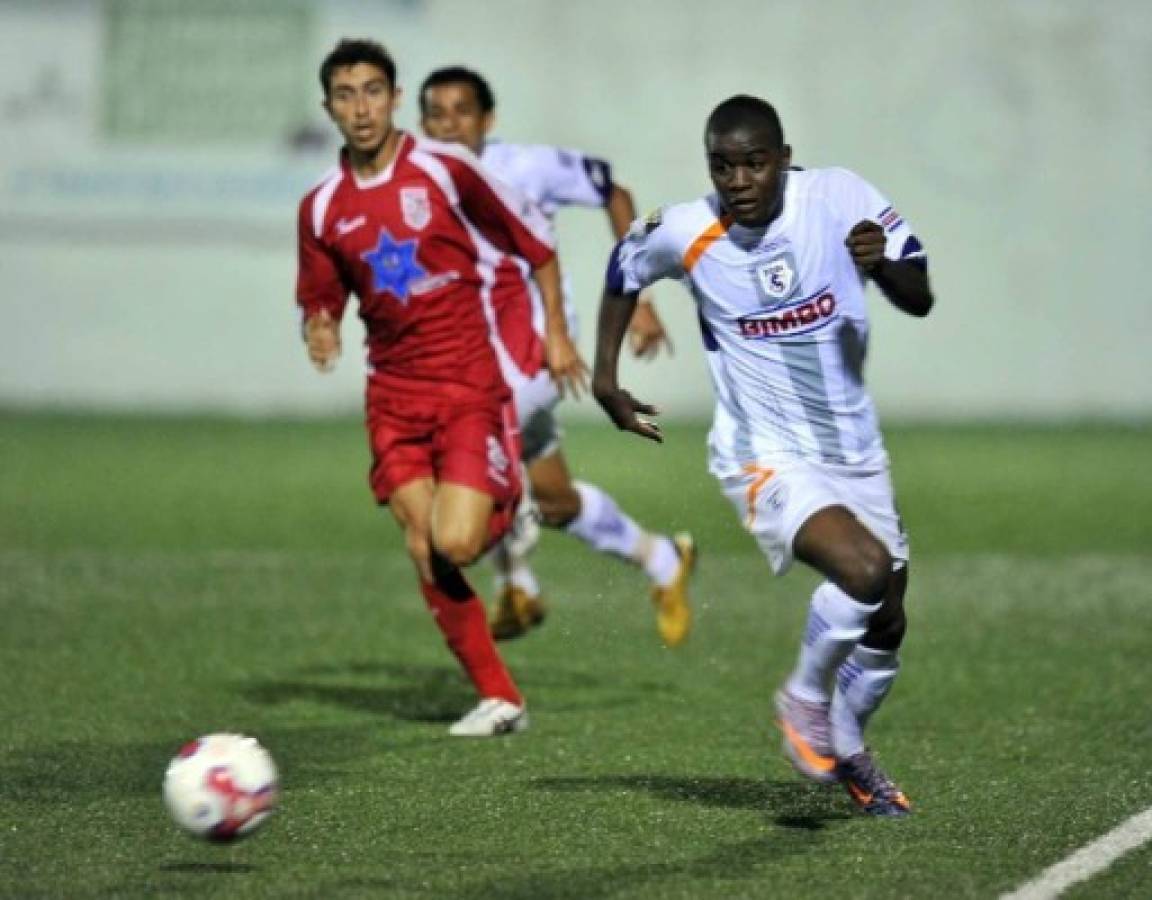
[[1016, 135]]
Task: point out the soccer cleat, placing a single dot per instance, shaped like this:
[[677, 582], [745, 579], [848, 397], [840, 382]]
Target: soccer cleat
[[807, 736], [673, 612], [516, 612], [870, 789], [491, 718]]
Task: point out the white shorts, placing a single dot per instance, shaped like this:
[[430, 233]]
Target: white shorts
[[536, 398], [775, 499]]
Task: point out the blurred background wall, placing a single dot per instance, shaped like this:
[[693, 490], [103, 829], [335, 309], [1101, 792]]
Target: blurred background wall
[[152, 153]]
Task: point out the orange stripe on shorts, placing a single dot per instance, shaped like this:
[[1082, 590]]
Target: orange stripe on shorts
[[762, 476]]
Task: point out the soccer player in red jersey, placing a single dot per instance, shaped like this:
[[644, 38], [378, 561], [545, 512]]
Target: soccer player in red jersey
[[457, 104], [414, 228]]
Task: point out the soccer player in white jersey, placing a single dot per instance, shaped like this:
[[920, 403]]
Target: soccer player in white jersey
[[458, 105], [777, 261]]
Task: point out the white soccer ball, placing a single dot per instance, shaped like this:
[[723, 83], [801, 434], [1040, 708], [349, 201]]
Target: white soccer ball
[[221, 787]]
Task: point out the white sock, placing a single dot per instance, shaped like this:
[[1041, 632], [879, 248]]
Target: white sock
[[603, 526], [835, 623], [512, 569], [862, 683], [662, 561]]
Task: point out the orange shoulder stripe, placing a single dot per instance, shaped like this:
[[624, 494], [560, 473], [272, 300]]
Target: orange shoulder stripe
[[704, 240]]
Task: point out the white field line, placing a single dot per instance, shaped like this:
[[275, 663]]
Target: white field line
[[1088, 860]]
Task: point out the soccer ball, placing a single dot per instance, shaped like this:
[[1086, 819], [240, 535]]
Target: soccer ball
[[221, 787]]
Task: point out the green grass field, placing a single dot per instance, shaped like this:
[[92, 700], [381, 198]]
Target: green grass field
[[166, 577]]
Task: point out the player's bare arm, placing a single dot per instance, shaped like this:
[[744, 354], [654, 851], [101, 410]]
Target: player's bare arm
[[904, 282], [623, 409], [322, 336], [564, 362], [646, 332]]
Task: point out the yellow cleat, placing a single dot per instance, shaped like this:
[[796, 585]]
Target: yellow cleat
[[516, 612], [673, 612]]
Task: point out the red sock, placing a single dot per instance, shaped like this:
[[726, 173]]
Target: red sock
[[464, 625]]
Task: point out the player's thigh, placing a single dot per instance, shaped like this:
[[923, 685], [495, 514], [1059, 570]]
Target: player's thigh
[[835, 543], [851, 519], [552, 488], [461, 521], [873, 501], [411, 504]]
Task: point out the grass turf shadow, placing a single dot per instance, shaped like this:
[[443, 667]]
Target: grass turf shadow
[[731, 862], [428, 693], [797, 815], [68, 772], [410, 692], [547, 676], [726, 869], [788, 804], [209, 868]]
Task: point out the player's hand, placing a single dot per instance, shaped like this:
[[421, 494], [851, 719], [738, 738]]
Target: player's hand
[[625, 410], [646, 332], [322, 335], [568, 370], [865, 242]]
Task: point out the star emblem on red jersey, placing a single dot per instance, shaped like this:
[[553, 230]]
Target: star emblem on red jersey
[[394, 266]]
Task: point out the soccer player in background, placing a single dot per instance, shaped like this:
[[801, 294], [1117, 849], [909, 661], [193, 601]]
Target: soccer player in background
[[457, 104], [777, 261], [413, 228]]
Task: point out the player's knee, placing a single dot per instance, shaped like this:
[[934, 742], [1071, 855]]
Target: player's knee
[[886, 628], [868, 576], [557, 510], [458, 547]]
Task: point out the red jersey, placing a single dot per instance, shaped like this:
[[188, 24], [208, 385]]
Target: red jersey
[[418, 244]]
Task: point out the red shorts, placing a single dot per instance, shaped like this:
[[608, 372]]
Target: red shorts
[[475, 444]]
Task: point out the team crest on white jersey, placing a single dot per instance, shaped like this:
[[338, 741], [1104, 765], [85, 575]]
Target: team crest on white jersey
[[777, 278], [416, 207]]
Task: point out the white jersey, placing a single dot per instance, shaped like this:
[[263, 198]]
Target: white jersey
[[783, 316], [552, 178]]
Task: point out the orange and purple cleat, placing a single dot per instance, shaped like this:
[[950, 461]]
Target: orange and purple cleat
[[870, 789], [807, 736]]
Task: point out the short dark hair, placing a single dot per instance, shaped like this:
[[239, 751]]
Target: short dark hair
[[744, 110], [460, 75], [351, 51]]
